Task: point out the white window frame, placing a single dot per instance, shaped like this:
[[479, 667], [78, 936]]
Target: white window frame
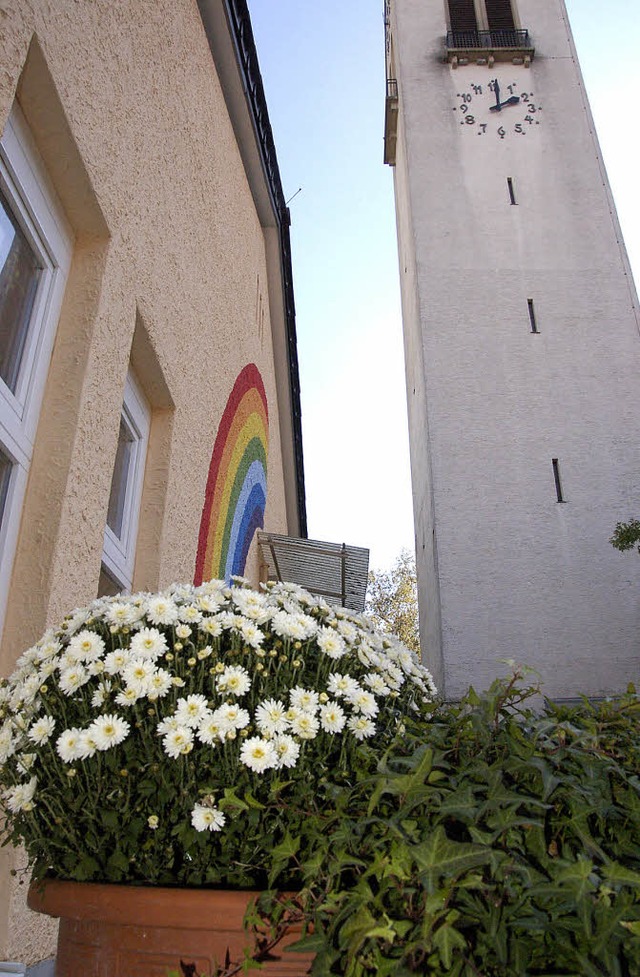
[[119, 553], [33, 201]]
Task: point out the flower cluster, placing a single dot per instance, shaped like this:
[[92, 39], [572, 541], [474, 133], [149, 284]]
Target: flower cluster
[[222, 677]]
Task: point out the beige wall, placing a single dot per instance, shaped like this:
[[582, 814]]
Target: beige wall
[[169, 271]]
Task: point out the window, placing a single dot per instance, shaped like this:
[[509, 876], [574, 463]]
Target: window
[[35, 255], [121, 527], [487, 24]]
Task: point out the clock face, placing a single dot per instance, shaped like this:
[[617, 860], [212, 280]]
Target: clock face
[[498, 109]]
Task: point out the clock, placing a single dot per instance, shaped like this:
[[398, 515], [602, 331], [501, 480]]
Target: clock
[[498, 110]]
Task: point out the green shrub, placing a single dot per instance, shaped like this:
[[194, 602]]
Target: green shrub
[[493, 841]]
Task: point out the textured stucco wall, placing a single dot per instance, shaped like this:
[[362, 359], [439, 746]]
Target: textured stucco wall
[[520, 575], [169, 271]]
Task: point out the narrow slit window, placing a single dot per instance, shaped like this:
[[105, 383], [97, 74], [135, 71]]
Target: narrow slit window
[[532, 316], [512, 192], [556, 478]]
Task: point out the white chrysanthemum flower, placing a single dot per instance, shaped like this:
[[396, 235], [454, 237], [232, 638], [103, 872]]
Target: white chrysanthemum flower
[[183, 631], [160, 683], [96, 668], [98, 697], [332, 717], [361, 727], [42, 729], [148, 643], [190, 614], [137, 673], [348, 631], [341, 685], [117, 660], [211, 626], [331, 643], [271, 717], [190, 711], [75, 621], [305, 725], [68, 745], [296, 626], [48, 648], [161, 610], [177, 742], [7, 742], [47, 668], [30, 688], [251, 605], [210, 603], [258, 754], [25, 763], [377, 684], [363, 702], [73, 678], [251, 633], [230, 716], [87, 745], [87, 646], [204, 818], [20, 797], [128, 696], [305, 699], [287, 750], [210, 730], [108, 731], [167, 725], [121, 613], [393, 675], [235, 680]]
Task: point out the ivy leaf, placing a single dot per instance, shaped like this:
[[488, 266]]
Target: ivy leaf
[[439, 857]]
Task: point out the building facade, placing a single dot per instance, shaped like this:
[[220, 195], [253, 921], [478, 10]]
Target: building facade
[[522, 348], [149, 400]]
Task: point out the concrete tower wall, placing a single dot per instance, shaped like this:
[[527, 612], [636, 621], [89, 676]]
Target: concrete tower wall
[[506, 570]]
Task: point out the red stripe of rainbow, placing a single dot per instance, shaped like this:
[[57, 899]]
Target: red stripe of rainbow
[[236, 492]]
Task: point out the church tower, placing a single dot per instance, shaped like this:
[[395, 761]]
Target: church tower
[[522, 348]]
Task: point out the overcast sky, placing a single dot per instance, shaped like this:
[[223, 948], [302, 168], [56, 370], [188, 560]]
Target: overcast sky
[[323, 71]]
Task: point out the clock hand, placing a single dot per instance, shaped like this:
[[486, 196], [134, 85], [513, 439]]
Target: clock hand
[[510, 101], [496, 88]]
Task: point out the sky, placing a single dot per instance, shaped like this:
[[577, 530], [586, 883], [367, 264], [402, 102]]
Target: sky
[[323, 71]]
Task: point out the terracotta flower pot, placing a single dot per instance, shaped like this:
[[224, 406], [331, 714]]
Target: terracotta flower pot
[[138, 931]]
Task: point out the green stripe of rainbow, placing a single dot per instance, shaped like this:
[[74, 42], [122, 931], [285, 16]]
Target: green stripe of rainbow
[[236, 492]]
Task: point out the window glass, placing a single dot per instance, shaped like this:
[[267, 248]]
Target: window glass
[[6, 467], [120, 482], [107, 585], [20, 273]]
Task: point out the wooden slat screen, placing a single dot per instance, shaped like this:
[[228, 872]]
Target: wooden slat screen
[[462, 14], [499, 15]]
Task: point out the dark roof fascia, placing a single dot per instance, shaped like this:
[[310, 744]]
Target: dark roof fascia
[[246, 57]]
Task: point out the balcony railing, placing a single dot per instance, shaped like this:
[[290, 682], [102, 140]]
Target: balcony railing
[[501, 45]]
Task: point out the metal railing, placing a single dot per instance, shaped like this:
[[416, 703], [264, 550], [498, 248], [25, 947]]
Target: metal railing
[[392, 88], [474, 39]]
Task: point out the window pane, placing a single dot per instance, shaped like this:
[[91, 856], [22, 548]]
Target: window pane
[[107, 585], [6, 466], [20, 273], [121, 477]]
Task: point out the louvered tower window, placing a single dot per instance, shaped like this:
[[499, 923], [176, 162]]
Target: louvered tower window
[[499, 15], [462, 14]]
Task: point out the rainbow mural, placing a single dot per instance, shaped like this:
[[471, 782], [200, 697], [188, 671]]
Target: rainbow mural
[[236, 493]]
